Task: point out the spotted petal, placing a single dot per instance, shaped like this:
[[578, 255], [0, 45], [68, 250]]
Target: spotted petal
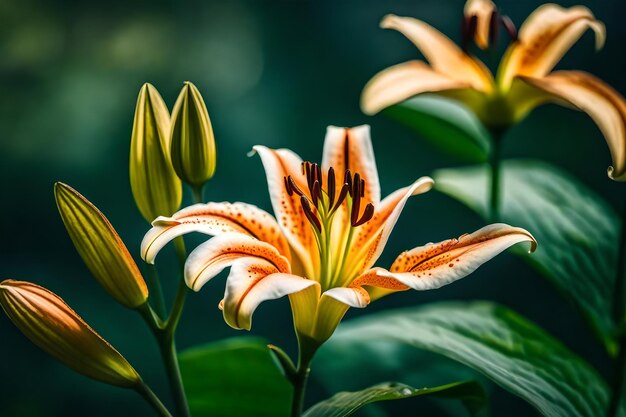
[[442, 54], [210, 258], [213, 219], [252, 281], [547, 34], [279, 164], [600, 101], [370, 238], [435, 265]]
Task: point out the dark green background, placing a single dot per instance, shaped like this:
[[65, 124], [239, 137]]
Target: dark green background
[[273, 73]]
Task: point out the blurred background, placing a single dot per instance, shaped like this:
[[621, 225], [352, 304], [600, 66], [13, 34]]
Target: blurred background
[[271, 72]]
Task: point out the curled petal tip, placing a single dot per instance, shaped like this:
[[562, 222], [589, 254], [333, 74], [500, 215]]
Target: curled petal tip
[[388, 21]]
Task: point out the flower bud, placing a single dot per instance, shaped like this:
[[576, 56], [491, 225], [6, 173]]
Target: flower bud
[[156, 188], [52, 325], [101, 248], [192, 141]]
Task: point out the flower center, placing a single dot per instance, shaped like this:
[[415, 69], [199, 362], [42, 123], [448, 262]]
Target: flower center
[[333, 232]]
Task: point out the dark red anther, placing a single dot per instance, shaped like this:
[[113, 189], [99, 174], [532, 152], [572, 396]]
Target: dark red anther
[[294, 187], [306, 207], [309, 176], [368, 213], [362, 188], [342, 196], [356, 199], [493, 27], [318, 173], [288, 187], [347, 179], [331, 187], [316, 192], [510, 28], [468, 30]]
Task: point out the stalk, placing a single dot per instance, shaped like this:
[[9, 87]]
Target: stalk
[[300, 378], [619, 308], [152, 399]]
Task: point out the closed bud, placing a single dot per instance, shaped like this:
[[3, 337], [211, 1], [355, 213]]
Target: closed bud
[[156, 187], [192, 141], [101, 248], [53, 326]]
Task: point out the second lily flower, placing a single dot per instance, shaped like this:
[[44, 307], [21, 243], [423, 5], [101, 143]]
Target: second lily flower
[[331, 226]]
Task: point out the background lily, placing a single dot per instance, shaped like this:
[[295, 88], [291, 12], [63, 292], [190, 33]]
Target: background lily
[[331, 226], [524, 79]]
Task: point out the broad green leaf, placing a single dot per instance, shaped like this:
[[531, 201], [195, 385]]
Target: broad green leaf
[[446, 123], [347, 403], [577, 230], [508, 349], [234, 377]]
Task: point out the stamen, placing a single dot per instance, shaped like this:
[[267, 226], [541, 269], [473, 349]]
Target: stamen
[[356, 199], [306, 207], [368, 213], [316, 193], [287, 187], [331, 187], [362, 188], [468, 30], [294, 187], [510, 28], [347, 179], [342, 196]]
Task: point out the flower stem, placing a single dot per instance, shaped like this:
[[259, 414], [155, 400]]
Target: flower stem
[[152, 399], [157, 289], [495, 163], [618, 317], [197, 192], [170, 357], [299, 380]]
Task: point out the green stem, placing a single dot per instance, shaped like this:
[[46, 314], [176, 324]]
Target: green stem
[[197, 192], [299, 380], [157, 290], [618, 317], [170, 357], [152, 399], [495, 163]]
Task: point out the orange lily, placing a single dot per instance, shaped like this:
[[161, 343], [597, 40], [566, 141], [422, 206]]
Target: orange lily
[[331, 226], [524, 79]]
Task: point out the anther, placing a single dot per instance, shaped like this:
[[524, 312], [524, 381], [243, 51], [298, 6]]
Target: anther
[[468, 30], [306, 207], [316, 192], [331, 187], [347, 179], [342, 196], [509, 27], [368, 213], [294, 187], [287, 187], [356, 199], [362, 188]]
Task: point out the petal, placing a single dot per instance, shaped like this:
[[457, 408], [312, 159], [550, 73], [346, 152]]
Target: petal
[[483, 10], [352, 297], [547, 34], [606, 107], [351, 148], [252, 281], [435, 265], [288, 210], [210, 258], [403, 81], [213, 219], [442, 54], [370, 238]]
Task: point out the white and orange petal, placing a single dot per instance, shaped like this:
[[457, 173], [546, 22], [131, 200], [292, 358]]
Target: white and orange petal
[[252, 281], [220, 252], [213, 219]]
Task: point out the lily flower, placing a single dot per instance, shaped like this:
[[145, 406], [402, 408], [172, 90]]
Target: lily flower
[[330, 228], [524, 79]]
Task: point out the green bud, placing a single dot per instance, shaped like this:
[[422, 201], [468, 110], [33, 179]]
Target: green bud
[[101, 248], [192, 141], [52, 325], [156, 188]]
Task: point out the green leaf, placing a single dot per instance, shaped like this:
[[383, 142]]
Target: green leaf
[[446, 123], [508, 349], [347, 403], [234, 377], [576, 229]]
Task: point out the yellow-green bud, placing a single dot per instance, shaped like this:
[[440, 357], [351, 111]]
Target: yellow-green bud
[[53, 326], [192, 141], [156, 188], [101, 248]]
